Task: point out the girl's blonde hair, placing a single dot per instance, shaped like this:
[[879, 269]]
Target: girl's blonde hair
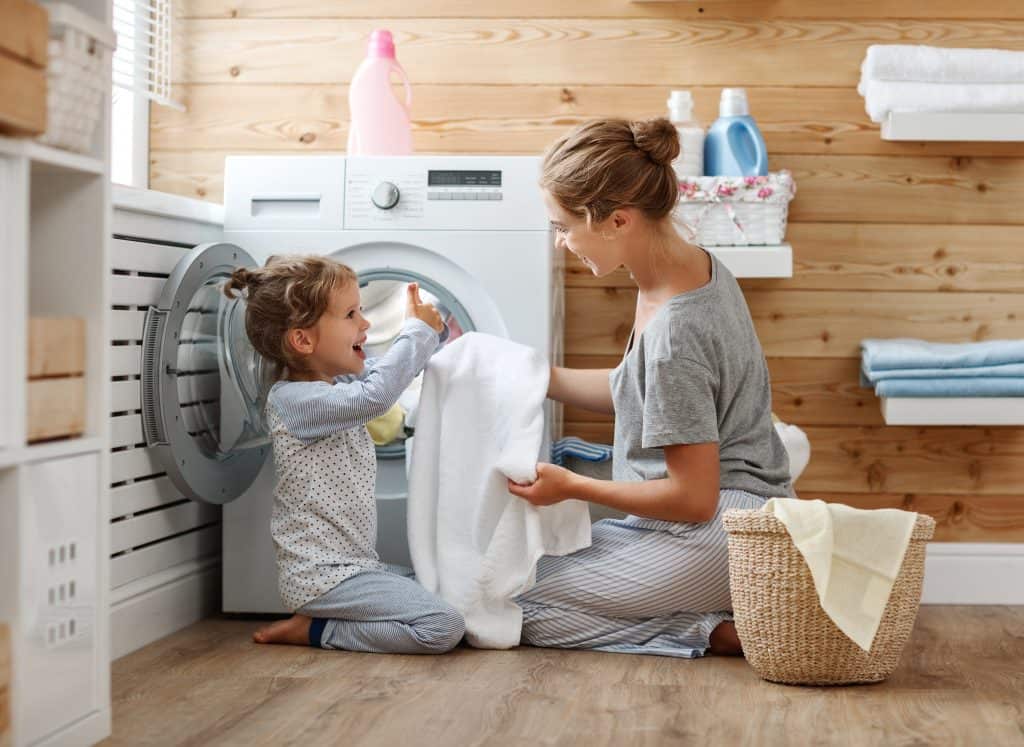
[[289, 292], [607, 164]]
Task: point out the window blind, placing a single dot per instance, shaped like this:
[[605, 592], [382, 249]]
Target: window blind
[[143, 59]]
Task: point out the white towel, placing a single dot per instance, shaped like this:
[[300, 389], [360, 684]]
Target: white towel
[[918, 62], [853, 555], [883, 96], [480, 420], [798, 448]]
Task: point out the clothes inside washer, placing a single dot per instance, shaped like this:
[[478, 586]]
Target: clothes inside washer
[[384, 303], [388, 427]]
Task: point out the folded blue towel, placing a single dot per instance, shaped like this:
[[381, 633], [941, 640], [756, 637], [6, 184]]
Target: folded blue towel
[[883, 355], [577, 447], [964, 387], [1007, 369]]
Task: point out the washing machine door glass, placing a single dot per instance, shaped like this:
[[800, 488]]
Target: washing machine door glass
[[204, 388], [382, 294]]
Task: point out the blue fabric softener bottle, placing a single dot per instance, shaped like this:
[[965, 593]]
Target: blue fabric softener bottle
[[734, 145]]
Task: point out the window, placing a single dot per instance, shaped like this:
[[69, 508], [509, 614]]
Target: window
[[142, 74]]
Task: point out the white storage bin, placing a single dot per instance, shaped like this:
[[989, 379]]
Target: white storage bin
[[734, 211], [57, 646], [77, 77]]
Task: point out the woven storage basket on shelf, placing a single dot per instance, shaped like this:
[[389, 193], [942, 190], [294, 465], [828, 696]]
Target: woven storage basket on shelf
[[734, 211], [77, 77], [787, 637]]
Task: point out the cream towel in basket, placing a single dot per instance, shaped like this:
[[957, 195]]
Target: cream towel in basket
[[853, 555]]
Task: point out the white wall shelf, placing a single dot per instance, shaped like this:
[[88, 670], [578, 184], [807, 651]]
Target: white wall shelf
[[45, 157], [949, 126], [756, 261], [953, 410], [55, 224], [49, 450]]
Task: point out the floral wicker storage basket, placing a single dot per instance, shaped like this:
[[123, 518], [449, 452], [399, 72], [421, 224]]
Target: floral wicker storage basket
[[735, 211], [786, 635]]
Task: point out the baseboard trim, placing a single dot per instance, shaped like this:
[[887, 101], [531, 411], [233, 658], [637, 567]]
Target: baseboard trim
[[156, 606], [974, 573], [90, 729]]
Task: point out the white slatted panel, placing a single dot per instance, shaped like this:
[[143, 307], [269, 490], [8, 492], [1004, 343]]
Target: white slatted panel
[[135, 290], [155, 558], [166, 227], [126, 430], [125, 360], [133, 464], [143, 256], [141, 530], [142, 496], [154, 529], [124, 395], [126, 325]]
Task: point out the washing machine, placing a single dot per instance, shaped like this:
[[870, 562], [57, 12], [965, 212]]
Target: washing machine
[[471, 230]]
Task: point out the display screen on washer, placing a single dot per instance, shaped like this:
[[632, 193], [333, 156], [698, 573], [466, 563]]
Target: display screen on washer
[[463, 178]]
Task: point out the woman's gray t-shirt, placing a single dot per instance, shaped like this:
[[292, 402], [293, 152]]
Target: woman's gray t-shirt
[[697, 374]]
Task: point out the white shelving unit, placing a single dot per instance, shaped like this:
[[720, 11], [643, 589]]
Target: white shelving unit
[[756, 261], [54, 496], [981, 126], [953, 410]]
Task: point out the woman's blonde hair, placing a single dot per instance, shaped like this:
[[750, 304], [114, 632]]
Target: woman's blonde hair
[[607, 164], [289, 292]]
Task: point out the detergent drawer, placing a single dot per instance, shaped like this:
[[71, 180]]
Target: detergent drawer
[[274, 193]]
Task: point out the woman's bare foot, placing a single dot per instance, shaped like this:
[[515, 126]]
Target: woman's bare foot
[[294, 630], [725, 641]]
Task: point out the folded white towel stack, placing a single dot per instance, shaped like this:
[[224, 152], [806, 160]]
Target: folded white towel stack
[[918, 78], [853, 555], [480, 421]]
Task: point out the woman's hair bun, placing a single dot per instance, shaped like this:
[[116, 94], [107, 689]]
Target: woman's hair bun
[[657, 138], [241, 279]]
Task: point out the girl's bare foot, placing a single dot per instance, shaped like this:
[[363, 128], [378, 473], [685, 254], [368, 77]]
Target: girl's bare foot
[[294, 630], [725, 641]]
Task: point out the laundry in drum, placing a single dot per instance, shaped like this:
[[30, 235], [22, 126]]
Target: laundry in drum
[[384, 302]]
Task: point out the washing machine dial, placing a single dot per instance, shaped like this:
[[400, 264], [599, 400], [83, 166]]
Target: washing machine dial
[[385, 195]]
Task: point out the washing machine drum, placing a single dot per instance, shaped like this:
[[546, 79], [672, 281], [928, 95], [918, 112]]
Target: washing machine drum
[[204, 388], [383, 294]]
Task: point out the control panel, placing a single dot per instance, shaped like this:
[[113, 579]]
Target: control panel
[[367, 193], [444, 193]]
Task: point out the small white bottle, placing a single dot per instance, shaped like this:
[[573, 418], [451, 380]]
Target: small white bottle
[[691, 135]]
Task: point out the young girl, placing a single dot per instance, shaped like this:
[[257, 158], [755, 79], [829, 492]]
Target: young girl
[[303, 315], [692, 406]]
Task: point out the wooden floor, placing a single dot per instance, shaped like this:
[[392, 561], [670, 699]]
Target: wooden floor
[[961, 681]]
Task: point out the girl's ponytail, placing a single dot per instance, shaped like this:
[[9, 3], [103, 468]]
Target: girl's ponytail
[[241, 279]]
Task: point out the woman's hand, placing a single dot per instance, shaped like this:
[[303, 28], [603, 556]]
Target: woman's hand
[[422, 311], [554, 484]]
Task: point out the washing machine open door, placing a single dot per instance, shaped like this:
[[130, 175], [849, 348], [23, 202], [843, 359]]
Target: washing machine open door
[[203, 386]]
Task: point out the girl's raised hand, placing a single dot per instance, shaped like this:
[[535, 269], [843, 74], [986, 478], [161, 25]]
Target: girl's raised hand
[[553, 485], [422, 311]]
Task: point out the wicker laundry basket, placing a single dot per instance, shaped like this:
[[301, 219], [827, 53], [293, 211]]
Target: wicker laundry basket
[[786, 635]]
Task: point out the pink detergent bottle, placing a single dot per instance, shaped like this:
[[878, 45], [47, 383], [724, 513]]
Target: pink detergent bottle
[[380, 124]]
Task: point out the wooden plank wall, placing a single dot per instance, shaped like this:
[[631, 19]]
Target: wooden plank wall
[[890, 239]]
